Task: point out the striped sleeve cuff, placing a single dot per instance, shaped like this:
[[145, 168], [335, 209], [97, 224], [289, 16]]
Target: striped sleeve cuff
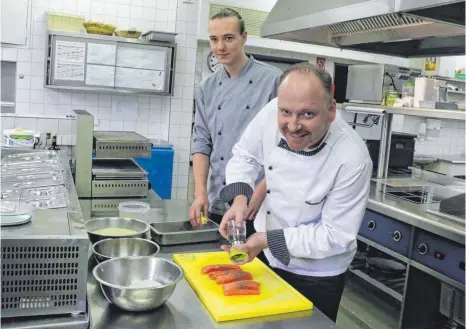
[[277, 246], [231, 191]]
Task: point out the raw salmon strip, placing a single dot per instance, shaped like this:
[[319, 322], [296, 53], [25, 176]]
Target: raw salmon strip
[[246, 284], [219, 267], [233, 276], [241, 288], [239, 292], [213, 275]]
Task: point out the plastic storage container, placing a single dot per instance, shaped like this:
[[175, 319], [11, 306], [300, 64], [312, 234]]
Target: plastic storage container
[[65, 22], [159, 170], [133, 209]]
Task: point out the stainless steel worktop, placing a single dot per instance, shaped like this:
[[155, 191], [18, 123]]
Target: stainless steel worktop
[[416, 214], [184, 309]]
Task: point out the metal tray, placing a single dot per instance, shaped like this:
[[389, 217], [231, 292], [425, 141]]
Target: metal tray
[[159, 36], [121, 144], [11, 194], [48, 202], [29, 164], [27, 176], [31, 157], [117, 168], [41, 192], [49, 181], [29, 170], [171, 233]]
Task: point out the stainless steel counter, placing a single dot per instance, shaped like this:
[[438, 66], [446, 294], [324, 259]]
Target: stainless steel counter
[[184, 309], [416, 214]]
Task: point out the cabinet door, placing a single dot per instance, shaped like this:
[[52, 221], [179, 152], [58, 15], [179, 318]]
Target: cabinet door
[[14, 17]]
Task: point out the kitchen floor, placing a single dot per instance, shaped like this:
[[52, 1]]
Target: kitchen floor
[[353, 311]]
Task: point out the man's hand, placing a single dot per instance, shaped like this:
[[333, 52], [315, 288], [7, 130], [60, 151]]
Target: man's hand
[[257, 199], [200, 204], [253, 246], [237, 212]]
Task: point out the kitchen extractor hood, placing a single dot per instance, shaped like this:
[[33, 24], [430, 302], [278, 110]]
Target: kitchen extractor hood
[[406, 28]]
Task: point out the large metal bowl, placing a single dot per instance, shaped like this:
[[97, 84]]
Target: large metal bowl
[[123, 247], [141, 228], [117, 275]]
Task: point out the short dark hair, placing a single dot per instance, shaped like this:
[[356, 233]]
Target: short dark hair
[[228, 12], [324, 77]]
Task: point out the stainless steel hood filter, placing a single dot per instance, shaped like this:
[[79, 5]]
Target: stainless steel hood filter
[[404, 28]]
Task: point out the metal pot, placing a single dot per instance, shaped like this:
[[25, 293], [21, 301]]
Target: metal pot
[[123, 247], [140, 228]]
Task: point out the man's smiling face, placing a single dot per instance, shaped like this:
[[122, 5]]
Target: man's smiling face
[[304, 110]]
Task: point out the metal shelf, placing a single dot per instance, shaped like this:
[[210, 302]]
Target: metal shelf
[[411, 111], [460, 92], [377, 284], [383, 249], [450, 79], [8, 104]]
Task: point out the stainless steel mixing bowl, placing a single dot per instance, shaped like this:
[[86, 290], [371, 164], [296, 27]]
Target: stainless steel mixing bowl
[[141, 228], [116, 276], [123, 247]]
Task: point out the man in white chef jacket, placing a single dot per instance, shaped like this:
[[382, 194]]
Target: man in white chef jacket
[[317, 172]]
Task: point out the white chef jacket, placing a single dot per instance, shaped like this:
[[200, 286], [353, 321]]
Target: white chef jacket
[[315, 200]]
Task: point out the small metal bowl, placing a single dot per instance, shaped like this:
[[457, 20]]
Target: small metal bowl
[[123, 247], [141, 228], [116, 276]]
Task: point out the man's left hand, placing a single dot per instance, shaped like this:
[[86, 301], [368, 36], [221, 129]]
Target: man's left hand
[[253, 246]]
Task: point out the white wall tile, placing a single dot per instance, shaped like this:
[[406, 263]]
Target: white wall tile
[[22, 108], [129, 126], [37, 83], [26, 123], [51, 110], [23, 95], [24, 55], [37, 96], [24, 83], [47, 125], [36, 109]]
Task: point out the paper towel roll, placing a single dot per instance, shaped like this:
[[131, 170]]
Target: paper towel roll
[[424, 90]]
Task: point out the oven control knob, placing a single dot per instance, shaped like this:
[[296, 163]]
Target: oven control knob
[[371, 225], [422, 249], [397, 236]]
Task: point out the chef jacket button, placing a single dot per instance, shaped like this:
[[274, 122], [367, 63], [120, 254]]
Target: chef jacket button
[[270, 167], [221, 158], [224, 183], [250, 81], [247, 107], [219, 133], [220, 83], [219, 108], [268, 191], [268, 212]]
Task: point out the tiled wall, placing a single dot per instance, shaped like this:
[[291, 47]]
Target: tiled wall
[[152, 116]]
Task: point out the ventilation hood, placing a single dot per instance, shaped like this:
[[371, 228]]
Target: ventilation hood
[[406, 28]]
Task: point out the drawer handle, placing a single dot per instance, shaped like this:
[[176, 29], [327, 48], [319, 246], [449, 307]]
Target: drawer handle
[[397, 236], [371, 225], [422, 249]]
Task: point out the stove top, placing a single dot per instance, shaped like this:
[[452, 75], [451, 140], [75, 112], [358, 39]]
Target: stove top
[[419, 197]]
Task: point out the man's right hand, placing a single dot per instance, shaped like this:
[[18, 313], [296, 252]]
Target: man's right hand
[[237, 212], [199, 207]]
